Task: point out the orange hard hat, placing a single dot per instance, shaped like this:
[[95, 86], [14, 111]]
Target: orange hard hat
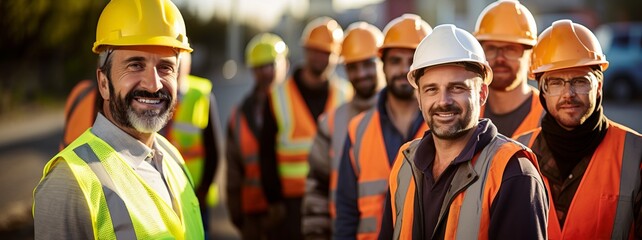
[[565, 45], [508, 21], [362, 41], [405, 31], [323, 34]]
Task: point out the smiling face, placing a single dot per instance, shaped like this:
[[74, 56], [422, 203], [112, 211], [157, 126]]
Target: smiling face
[[570, 108], [450, 98], [364, 76], [396, 64], [141, 88]]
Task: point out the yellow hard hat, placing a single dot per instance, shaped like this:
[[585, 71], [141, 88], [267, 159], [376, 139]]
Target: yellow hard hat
[[362, 41], [405, 31], [566, 44], [264, 48], [141, 22], [323, 34], [508, 21]]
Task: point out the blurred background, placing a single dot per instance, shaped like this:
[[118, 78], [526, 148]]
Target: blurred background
[[45, 49]]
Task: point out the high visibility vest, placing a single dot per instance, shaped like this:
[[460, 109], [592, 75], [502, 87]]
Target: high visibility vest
[[338, 127], [296, 132], [80, 110], [190, 118], [532, 119], [469, 211], [252, 197], [372, 168], [602, 207], [111, 187]]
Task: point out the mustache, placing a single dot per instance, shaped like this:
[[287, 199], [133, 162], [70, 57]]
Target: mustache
[[162, 94], [500, 65], [447, 108], [572, 101], [399, 77]]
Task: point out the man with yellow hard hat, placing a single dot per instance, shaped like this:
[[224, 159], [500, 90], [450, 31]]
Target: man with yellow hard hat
[[290, 122], [120, 179], [266, 56]]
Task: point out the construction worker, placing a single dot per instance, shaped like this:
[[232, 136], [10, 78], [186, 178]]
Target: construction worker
[[590, 164], [120, 179], [507, 32], [375, 135], [289, 125], [463, 179], [195, 130], [360, 55], [266, 56]]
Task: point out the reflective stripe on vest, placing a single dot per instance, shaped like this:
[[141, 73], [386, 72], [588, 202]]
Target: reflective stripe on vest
[[469, 215], [372, 168], [474, 209], [296, 132], [608, 189], [402, 191], [117, 209], [121, 204], [191, 117], [252, 197], [338, 126]]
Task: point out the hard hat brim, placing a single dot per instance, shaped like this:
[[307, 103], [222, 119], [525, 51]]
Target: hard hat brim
[[137, 40]]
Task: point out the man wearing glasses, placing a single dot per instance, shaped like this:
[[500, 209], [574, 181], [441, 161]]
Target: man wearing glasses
[[590, 164], [507, 32]]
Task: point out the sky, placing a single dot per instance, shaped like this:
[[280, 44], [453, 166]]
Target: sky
[[264, 14]]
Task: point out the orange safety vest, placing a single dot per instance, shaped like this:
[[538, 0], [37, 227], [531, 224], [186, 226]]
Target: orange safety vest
[[532, 119], [337, 121], [469, 211], [602, 207], [337, 141], [296, 130], [372, 168], [80, 110], [252, 197]]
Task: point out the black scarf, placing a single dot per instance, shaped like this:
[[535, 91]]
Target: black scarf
[[569, 147]]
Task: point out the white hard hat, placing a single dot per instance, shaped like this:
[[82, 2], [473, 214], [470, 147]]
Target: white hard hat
[[449, 44]]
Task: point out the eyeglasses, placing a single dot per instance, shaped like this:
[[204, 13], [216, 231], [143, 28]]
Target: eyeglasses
[[579, 85], [510, 51]]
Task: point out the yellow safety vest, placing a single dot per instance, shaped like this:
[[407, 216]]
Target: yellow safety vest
[[111, 187], [191, 117]]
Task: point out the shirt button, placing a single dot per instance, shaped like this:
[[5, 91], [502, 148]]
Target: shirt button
[[570, 176]]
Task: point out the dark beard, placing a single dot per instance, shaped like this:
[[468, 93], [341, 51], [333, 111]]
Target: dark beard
[[403, 91], [456, 131]]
